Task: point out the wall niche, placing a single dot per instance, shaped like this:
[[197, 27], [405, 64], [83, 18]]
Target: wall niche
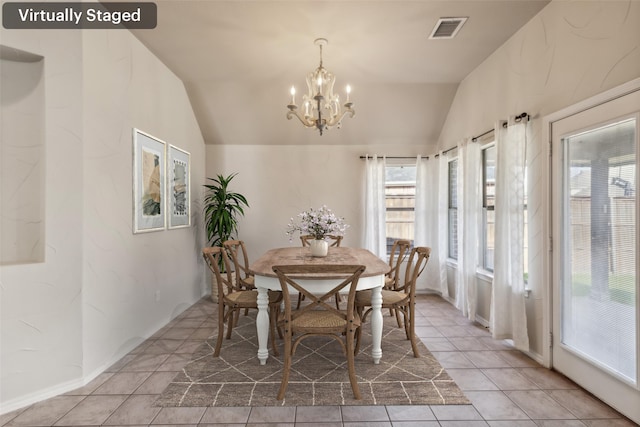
[[22, 157]]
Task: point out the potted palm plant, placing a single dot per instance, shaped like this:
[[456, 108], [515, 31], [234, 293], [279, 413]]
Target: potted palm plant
[[222, 208]]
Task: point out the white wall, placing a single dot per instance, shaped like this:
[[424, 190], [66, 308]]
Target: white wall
[[133, 284], [22, 174], [41, 303], [101, 290], [568, 52], [283, 180]]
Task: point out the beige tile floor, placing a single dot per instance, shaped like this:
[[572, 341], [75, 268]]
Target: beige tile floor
[[506, 388]]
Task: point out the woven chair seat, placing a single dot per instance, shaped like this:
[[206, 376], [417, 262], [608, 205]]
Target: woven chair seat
[[388, 297], [243, 298], [250, 298], [320, 319], [249, 282]]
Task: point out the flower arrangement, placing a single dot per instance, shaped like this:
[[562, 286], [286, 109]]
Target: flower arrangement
[[317, 222]]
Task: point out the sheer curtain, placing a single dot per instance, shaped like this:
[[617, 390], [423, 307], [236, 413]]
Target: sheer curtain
[[375, 235], [508, 314], [427, 223], [443, 222], [469, 208]]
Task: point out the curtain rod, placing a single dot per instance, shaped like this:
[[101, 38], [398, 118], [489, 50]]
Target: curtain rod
[[446, 151], [517, 119], [449, 149], [476, 138]]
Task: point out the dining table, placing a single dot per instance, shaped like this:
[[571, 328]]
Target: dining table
[[372, 278]]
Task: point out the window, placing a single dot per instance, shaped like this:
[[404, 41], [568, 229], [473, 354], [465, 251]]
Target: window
[[488, 206], [453, 209], [599, 257], [488, 212], [400, 197]]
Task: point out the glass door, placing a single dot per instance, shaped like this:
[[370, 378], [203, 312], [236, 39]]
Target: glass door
[[595, 262]]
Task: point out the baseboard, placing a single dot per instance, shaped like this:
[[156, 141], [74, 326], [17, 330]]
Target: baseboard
[[482, 321], [40, 395], [67, 386], [61, 388], [536, 357]]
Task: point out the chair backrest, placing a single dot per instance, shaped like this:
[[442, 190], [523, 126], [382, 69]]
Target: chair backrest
[[289, 274], [399, 251], [238, 253], [416, 263], [215, 257], [335, 240]]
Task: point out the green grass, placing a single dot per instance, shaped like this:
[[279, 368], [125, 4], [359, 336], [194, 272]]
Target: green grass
[[621, 287]]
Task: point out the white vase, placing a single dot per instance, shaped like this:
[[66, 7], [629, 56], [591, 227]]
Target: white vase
[[319, 247]]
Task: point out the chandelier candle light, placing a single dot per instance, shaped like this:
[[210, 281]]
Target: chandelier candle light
[[322, 109]]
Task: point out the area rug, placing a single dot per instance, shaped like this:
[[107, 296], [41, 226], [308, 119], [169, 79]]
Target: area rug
[[318, 375]]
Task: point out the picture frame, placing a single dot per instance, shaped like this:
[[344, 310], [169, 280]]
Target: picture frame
[[178, 187], [149, 182]]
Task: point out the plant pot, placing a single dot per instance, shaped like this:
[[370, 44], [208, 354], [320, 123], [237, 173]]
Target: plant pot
[[319, 248]]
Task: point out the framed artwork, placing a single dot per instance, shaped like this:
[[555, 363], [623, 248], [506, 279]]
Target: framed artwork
[[178, 188], [149, 183]]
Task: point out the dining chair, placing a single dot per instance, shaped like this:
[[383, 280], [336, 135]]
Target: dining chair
[[232, 298], [335, 243], [243, 275], [238, 253], [335, 240], [399, 251], [402, 299], [317, 317]]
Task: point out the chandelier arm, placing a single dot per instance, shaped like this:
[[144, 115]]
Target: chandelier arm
[[292, 113], [339, 118]]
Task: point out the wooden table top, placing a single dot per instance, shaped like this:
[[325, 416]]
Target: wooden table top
[[263, 266]]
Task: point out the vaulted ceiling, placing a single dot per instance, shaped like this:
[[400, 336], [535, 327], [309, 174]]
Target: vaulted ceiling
[[238, 60]]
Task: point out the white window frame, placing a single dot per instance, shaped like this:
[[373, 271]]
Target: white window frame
[[484, 268]]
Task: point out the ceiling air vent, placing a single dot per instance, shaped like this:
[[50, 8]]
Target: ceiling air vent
[[447, 28]]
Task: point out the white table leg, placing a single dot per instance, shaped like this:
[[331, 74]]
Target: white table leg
[[262, 325], [376, 324]]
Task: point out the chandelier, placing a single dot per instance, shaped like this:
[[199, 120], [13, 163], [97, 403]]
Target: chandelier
[[321, 108]]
